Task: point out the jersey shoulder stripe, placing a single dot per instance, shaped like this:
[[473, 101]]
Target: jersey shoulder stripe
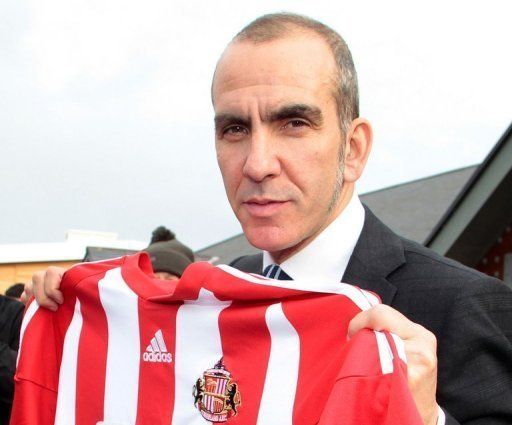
[[81, 271]]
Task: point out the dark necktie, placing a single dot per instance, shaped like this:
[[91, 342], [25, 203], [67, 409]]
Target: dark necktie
[[273, 271]]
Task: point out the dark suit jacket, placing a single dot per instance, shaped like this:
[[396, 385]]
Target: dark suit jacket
[[469, 312], [11, 314]]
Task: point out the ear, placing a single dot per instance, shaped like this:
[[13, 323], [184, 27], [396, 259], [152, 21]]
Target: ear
[[358, 145]]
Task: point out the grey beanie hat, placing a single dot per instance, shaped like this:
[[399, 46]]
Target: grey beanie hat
[[167, 253]]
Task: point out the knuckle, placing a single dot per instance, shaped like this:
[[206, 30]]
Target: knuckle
[[432, 340], [427, 336], [429, 360], [38, 276], [51, 271], [379, 314]]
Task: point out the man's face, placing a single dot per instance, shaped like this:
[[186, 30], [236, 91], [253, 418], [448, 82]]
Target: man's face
[[278, 139]]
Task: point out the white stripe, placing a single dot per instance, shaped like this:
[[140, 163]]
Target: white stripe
[[400, 347], [385, 353], [278, 396], [371, 297], [66, 402], [31, 310], [123, 354], [441, 418], [198, 348], [149, 348], [160, 339], [155, 346], [363, 299], [278, 273]]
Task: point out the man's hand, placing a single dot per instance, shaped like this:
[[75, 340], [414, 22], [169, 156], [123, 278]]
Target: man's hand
[[45, 288], [420, 349]]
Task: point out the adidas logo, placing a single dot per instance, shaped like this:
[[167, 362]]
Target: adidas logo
[[156, 352]]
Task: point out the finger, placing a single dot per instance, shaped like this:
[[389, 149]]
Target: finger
[[38, 289], [421, 353], [28, 290], [52, 281], [383, 318]]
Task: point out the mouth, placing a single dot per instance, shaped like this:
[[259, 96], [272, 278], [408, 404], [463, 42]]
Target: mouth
[[262, 208]]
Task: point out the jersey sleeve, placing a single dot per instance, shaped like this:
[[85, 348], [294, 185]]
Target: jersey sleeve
[[37, 374], [371, 387]]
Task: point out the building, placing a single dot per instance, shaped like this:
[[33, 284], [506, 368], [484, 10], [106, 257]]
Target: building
[[19, 261], [477, 227]]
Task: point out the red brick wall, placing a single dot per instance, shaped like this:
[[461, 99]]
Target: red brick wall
[[493, 262]]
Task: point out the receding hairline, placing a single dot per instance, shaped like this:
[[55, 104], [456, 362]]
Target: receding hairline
[[292, 32], [281, 25]]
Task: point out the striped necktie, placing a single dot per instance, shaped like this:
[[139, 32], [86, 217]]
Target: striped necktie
[[273, 271]]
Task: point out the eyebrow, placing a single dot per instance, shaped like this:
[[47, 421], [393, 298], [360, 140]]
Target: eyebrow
[[296, 110], [223, 119]]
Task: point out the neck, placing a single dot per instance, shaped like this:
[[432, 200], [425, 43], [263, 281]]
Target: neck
[[346, 194]]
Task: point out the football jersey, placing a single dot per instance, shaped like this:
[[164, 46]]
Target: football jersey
[[219, 345]]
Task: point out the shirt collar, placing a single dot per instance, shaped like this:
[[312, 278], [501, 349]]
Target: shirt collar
[[327, 256]]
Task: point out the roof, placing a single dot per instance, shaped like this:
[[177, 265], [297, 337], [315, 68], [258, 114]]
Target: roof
[[422, 204], [229, 249], [481, 211], [73, 249]]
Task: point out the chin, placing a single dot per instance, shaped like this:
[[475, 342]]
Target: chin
[[269, 239]]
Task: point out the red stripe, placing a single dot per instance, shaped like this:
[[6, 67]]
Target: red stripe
[[92, 354], [246, 349], [156, 379], [321, 323], [44, 336], [225, 286]]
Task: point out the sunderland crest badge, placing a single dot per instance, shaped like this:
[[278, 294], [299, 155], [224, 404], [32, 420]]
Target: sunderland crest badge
[[216, 395]]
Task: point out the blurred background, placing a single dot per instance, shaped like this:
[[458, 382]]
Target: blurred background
[[106, 123]]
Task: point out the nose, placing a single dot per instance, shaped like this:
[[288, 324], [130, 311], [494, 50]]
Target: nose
[[262, 161]]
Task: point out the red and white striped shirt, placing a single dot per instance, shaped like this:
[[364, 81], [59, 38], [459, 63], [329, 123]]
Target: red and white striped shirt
[[126, 349]]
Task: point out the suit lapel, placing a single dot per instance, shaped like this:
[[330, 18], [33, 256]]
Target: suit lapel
[[377, 254]]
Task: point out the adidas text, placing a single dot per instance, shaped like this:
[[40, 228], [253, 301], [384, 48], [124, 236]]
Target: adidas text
[[157, 357]]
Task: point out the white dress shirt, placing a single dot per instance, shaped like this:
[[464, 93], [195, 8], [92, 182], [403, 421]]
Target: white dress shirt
[[326, 257]]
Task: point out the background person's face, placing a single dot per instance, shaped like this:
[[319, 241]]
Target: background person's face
[[278, 139], [166, 276]]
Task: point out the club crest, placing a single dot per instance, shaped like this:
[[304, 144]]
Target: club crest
[[216, 395]]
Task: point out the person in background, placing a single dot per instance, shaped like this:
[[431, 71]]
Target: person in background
[[15, 291], [168, 255], [11, 314]]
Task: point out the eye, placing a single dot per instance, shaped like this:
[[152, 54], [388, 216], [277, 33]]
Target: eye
[[297, 123], [235, 129]]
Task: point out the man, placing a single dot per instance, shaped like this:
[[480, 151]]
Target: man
[[291, 146]]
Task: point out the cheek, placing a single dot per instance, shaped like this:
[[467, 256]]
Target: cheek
[[318, 182], [230, 170], [314, 172]]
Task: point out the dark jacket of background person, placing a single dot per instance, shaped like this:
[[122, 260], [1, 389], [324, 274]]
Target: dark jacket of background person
[[11, 314], [15, 290]]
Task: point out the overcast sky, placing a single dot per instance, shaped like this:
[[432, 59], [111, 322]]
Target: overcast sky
[[106, 122]]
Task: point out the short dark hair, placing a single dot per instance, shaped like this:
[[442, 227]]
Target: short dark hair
[[277, 25]]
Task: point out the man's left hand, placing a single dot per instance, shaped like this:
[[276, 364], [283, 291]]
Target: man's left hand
[[420, 349]]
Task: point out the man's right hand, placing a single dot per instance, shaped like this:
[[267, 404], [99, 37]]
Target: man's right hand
[[45, 288]]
